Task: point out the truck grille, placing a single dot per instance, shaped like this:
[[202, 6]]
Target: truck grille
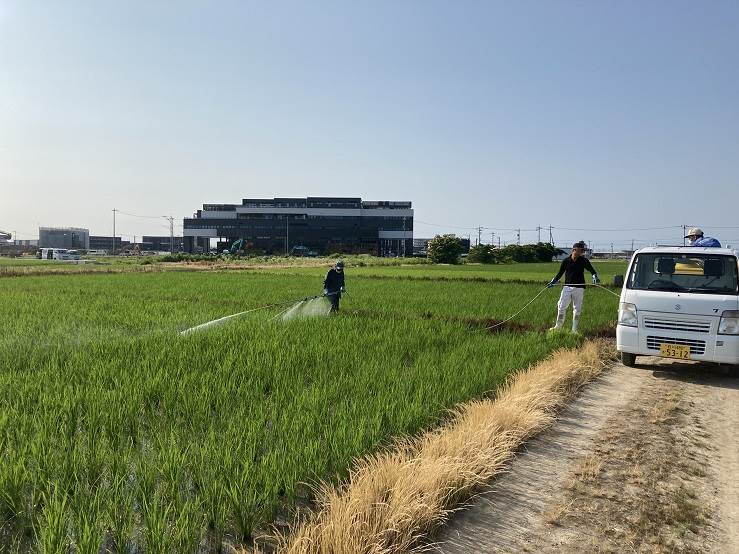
[[677, 325], [696, 346]]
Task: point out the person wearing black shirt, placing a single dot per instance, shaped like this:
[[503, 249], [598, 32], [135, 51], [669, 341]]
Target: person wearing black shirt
[[333, 285], [573, 268]]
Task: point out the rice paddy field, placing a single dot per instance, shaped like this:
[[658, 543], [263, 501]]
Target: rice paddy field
[[118, 434]]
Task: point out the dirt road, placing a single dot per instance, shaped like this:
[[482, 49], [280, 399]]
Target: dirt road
[[644, 460]]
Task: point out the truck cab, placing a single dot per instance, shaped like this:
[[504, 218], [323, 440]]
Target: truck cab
[[680, 302]]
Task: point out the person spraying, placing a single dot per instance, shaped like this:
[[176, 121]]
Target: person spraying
[[333, 285], [573, 268]]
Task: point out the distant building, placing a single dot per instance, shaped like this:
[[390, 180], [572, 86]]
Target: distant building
[[324, 224], [98, 242], [161, 244], [23, 242], [64, 237]]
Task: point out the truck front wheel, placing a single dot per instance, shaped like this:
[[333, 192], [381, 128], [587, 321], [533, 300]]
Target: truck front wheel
[[628, 359]]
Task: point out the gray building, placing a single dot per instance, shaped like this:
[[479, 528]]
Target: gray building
[[161, 244], [100, 242], [64, 237], [323, 224]]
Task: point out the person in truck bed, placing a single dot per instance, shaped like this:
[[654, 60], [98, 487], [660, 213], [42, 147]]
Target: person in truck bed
[[696, 238]]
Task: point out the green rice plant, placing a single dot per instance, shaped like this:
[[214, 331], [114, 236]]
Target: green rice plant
[[170, 440], [87, 523], [51, 528], [119, 513], [156, 520]]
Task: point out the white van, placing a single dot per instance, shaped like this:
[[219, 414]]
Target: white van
[[680, 302], [58, 254]]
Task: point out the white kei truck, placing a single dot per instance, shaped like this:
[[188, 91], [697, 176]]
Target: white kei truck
[[680, 302]]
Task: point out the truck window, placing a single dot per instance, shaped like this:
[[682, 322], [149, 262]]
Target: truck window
[[698, 273]]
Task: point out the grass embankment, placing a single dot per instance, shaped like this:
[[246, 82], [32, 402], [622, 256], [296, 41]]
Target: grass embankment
[[394, 500], [117, 432]]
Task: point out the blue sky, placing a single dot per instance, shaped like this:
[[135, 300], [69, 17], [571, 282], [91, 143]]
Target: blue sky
[[580, 115]]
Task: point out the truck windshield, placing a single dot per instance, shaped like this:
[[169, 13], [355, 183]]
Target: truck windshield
[[699, 273]]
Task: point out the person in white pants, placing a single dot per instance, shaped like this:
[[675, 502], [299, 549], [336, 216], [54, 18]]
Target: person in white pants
[[569, 295], [573, 268]]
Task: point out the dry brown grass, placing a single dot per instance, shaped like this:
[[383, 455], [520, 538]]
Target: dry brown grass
[[394, 500]]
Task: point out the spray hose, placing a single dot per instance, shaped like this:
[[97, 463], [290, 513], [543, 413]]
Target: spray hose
[[537, 296], [289, 303]]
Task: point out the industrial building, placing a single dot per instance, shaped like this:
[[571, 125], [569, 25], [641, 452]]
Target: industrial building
[[323, 224], [161, 244], [99, 242], [64, 237]]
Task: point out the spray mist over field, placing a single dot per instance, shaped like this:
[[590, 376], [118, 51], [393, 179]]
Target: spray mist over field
[[314, 307]]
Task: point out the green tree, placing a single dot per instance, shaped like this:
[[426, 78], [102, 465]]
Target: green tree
[[482, 254], [444, 249]]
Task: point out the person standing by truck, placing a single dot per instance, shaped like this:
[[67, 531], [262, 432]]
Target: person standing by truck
[[333, 285], [573, 268]]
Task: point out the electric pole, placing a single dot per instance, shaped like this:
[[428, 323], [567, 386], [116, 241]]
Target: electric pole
[[538, 234], [518, 237], [551, 238], [171, 234], [112, 250], [479, 234], [684, 226], [492, 239]]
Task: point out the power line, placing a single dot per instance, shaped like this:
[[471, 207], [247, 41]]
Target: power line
[[142, 216], [618, 230]]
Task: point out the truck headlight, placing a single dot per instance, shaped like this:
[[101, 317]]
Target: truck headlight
[[627, 315], [729, 324]]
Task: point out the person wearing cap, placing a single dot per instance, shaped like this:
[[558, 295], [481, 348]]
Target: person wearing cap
[[573, 268], [696, 238], [333, 285]]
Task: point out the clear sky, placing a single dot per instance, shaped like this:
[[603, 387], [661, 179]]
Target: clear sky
[[587, 115]]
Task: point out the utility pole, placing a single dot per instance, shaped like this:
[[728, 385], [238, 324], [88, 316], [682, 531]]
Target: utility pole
[[684, 226], [538, 234], [551, 238], [112, 250], [492, 239], [518, 237], [498, 241], [479, 235], [171, 234], [611, 250]]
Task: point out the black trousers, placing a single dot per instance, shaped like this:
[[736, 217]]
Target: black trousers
[[334, 297]]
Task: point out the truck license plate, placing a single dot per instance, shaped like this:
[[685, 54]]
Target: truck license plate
[[679, 351]]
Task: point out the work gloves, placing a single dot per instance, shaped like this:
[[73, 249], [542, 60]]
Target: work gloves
[[596, 280], [551, 283]]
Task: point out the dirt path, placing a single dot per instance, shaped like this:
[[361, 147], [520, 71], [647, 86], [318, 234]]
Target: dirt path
[[645, 460]]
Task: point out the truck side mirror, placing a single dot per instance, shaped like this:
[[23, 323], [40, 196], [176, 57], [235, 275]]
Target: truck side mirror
[[618, 281]]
